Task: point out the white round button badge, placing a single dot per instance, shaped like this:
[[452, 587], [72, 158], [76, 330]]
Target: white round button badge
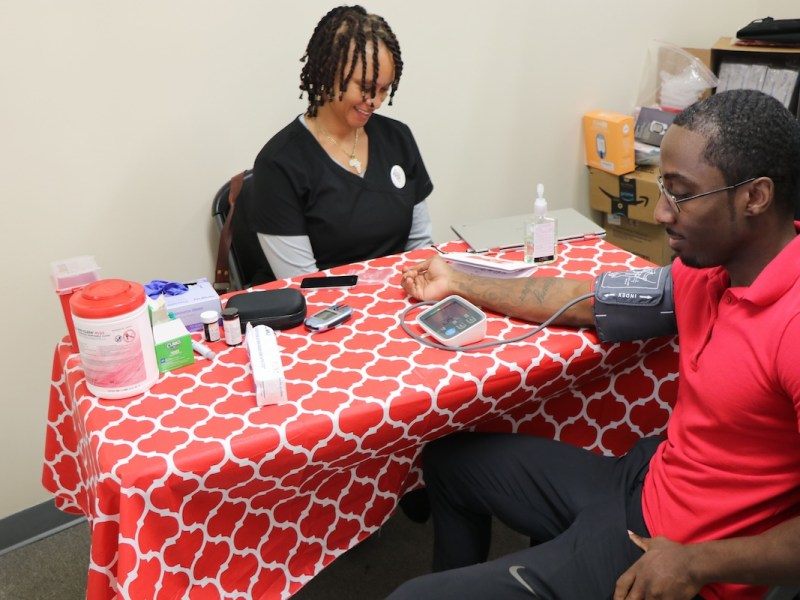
[[398, 177]]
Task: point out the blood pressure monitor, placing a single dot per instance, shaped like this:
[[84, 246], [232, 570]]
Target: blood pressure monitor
[[454, 322]]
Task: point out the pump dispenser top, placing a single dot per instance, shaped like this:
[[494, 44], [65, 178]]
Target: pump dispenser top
[[540, 204]]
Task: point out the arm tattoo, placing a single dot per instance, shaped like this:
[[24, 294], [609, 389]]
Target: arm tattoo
[[533, 291], [533, 299], [538, 290]]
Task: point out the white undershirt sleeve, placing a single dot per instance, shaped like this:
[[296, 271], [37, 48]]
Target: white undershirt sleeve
[[421, 233], [288, 255]]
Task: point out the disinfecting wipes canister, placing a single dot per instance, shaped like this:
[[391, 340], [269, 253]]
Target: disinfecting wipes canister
[[115, 339]]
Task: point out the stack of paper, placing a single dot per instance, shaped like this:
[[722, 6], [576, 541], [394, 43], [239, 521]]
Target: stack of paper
[[488, 266]]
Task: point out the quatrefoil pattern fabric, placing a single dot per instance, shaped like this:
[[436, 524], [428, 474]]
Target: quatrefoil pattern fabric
[[193, 491]]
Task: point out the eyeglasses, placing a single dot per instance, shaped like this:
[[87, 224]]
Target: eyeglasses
[[676, 201]]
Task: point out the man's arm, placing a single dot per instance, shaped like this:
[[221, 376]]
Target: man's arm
[[532, 299], [675, 571]]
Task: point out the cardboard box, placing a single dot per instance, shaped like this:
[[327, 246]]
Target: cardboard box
[[608, 137], [702, 54], [628, 203], [642, 239], [173, 345], [632, 195], [199, 298]]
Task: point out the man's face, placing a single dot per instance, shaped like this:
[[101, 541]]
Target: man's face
[[708, 231]]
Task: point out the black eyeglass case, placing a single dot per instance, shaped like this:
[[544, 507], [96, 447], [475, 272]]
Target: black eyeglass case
[[278, 309]]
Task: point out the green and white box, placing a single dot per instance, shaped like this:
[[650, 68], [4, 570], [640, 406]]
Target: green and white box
[[173, 345]]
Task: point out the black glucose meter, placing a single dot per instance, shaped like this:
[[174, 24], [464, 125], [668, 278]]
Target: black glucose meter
[[454, 322]]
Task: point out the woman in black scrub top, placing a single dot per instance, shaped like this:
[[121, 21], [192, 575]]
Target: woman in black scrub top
[[340, 183]]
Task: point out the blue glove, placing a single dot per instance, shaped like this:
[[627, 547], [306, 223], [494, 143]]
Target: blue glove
[[169, 288]]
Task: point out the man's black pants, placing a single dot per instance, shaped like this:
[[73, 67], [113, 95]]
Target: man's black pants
[[575, 505]]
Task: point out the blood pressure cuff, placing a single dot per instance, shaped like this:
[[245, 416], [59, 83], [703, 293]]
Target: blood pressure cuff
[[634, 305]]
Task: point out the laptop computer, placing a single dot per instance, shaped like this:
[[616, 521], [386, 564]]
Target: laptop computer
[[507, 232]]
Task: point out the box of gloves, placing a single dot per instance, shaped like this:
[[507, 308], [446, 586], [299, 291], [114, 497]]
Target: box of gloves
[[187, 300]]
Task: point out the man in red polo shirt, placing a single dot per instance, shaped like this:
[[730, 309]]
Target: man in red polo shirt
[[713, 510]]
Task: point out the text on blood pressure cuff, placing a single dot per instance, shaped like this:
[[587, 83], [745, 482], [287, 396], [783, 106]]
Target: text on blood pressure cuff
[[634, 305]]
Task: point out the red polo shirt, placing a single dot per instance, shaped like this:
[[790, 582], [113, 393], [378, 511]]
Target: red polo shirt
[[731, 464]]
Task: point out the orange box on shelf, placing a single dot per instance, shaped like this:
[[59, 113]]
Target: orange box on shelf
[[609, 141]]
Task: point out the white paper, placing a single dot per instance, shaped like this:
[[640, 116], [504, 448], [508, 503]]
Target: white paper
[[489, 266]]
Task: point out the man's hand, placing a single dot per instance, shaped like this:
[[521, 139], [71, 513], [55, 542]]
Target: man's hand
[[663, 573], [429, 280]]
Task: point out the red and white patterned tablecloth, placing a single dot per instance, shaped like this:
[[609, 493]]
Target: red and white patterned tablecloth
[[193, 491]]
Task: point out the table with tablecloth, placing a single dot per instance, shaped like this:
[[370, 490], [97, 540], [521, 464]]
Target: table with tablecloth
[[194, 491]]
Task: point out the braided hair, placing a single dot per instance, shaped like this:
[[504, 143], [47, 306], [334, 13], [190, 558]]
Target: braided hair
[[749, 134], [328, 51]]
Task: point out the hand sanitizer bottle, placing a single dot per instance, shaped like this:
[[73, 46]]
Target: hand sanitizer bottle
[[540, 232]]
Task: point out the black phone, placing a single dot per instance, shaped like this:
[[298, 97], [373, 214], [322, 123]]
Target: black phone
[[329, 281]]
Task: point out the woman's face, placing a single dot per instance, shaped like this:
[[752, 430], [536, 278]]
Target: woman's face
[[355, 109]]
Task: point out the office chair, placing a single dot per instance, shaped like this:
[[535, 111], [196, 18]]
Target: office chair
[[246, 265]]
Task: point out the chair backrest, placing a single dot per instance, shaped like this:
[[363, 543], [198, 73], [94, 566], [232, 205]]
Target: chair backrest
[[246, 262]]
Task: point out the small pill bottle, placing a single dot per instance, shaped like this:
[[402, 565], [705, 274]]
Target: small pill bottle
[[232, 326], [210, 319]]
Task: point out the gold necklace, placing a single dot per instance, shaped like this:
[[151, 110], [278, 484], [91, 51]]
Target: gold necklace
[[353, 162]]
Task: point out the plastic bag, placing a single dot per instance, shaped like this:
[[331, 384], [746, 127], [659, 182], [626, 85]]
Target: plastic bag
[[673, 78]]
